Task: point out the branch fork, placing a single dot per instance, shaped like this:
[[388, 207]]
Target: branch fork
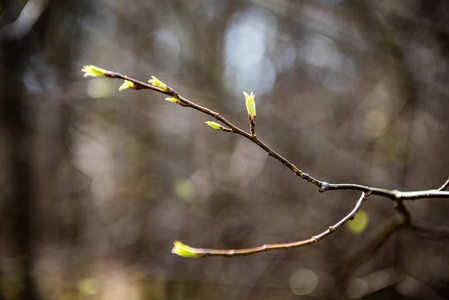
[[399, 197]]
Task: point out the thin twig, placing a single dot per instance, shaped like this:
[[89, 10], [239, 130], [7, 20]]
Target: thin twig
[[322, 185], [187, 103], [404, 211], [444, 186], [392, 194], [202, 252], [252, 128]]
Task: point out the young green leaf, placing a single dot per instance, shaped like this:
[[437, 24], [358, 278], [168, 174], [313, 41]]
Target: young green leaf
[[157, 83], [127, 85], [250, 106], [93, 71]]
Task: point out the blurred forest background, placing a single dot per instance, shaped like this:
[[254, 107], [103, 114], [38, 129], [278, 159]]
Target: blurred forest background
[[95, 185]]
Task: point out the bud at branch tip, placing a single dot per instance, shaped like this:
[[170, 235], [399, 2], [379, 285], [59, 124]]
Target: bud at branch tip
[[250, 106], [93, 71], [185, 251]]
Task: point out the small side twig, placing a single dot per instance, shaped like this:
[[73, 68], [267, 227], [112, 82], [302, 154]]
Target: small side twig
[[444, 186], [202, 252], [252, 137]]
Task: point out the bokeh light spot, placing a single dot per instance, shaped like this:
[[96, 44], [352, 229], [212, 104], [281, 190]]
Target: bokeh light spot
[[303, 281], [359, 223], [375, 122], [247, 67], [100, 87], [87, 286], [166, 47], [184, 189], [357, 289]]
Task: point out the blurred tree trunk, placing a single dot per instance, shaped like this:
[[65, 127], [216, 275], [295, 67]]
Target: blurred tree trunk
[[17, 166]]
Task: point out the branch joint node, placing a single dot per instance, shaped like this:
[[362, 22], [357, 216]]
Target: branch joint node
[[397, 194], [324, 187]]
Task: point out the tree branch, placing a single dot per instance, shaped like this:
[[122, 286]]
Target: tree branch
[[322, 185], [202, 252], [397, 196], [392, 194]]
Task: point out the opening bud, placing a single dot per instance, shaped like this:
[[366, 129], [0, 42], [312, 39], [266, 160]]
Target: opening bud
[[250, 106], [214, 125], [185, 251], [127, 85], [172, 100], [157, 83], [93, 71]]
